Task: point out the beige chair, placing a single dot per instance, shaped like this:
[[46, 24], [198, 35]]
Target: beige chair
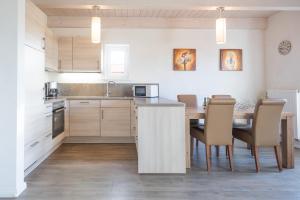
[[218, 127], [190, 101], [220, 96], [265, 129]]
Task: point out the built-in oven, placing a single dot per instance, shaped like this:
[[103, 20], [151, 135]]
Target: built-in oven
[[149, 90], [58, 119]]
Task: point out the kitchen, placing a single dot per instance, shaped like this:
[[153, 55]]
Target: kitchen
[[108, 87]]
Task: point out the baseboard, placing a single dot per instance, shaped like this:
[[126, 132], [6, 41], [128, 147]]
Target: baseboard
[[12, 192], [99, 140]]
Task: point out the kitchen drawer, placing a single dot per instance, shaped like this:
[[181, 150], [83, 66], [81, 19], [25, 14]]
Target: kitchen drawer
[[115, 103], [84, 103], [47, 143], [33, 151]]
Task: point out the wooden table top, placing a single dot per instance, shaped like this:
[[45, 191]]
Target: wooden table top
[[239, 113]]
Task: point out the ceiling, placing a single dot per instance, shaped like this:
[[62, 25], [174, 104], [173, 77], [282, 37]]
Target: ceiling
[[168, 8], [157, 13]]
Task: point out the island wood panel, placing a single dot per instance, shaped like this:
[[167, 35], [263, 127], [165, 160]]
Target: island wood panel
[[115, 122], [161, 144], [86, 55]]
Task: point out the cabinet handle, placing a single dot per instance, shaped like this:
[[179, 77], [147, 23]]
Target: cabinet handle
[[102, 114], [34, 144], [44, 43], [84, 102], [59, 65]]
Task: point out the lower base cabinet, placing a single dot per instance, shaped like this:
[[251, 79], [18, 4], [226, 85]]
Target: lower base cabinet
[[115, 122], [84, 117]]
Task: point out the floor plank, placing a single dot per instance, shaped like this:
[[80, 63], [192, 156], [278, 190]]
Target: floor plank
[[109, 171]]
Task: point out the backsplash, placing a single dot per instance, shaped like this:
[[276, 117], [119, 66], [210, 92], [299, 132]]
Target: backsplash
[[95, 89]]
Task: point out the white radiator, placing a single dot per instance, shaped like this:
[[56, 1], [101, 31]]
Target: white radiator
[[292, 105]]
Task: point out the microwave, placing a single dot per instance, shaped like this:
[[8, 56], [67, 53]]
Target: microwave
[[150, 91]]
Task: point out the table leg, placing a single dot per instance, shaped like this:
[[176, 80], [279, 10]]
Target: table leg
[[287, 131], [187, 142]]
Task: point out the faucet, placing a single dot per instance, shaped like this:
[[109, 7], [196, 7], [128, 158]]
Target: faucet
[[107, 87]]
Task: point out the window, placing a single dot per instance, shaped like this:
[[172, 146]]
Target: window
[[116, 61]]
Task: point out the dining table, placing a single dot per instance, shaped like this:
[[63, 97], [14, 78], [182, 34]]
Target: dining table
[[287, 131]]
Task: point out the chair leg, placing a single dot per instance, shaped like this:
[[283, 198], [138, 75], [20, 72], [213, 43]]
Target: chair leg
[[230, 156], [251, 149], [232, 146], [197, 143], [210, 153], [227, 152], [256, 157], [192, 147], [277, 149], [208, 161], [217, 150]]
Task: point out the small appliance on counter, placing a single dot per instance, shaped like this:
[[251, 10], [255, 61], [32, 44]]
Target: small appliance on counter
[[146, 91], [51, 90]]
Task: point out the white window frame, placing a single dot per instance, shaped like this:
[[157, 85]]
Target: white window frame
[[107, 71]]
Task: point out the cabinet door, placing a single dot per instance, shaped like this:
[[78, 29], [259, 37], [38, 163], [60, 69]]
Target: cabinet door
[[51, 51], [65, 54], [115, 122], [84, 121], [86, 55], [35, 26]]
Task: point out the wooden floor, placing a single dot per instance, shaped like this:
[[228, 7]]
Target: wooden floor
[[109, 171]]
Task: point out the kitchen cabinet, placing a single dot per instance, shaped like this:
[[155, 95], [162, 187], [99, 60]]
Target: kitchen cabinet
[[65, 54], [51, 51], [86, 55], [79, 54], [115, 118], [84, 118], [35, 27]]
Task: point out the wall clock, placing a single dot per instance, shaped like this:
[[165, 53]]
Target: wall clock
[[284, 47]]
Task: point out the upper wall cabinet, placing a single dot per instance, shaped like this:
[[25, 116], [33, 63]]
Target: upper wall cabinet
[[36, 23], [65, 54], [86, 55], [51, 50], [79, 54]]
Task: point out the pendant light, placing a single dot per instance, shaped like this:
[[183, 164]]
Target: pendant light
[[96, 26], [220, 27]]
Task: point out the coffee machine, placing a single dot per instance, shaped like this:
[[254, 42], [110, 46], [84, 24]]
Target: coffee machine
[[51, 90]]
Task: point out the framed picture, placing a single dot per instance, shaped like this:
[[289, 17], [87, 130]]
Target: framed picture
[[184, 59], [231, 59]]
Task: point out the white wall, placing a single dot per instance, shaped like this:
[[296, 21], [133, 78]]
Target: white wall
[[11, 87], [283, 72], [151, 61]]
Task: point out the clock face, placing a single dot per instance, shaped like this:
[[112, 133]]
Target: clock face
[[284, 47]]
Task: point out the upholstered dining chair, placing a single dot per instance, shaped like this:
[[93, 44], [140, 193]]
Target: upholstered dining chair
[[221, 96], [190, 101], [218, 127], [265, 129]]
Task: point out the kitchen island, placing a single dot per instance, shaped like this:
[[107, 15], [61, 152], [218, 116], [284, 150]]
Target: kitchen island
[[156, 125]]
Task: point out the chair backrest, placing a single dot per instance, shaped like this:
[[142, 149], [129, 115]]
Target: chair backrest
[[190, 100], [266, 122], [218, 121], [220, 96]]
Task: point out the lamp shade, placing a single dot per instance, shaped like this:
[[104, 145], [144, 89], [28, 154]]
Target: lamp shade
[[96, 29], [221, 30]]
